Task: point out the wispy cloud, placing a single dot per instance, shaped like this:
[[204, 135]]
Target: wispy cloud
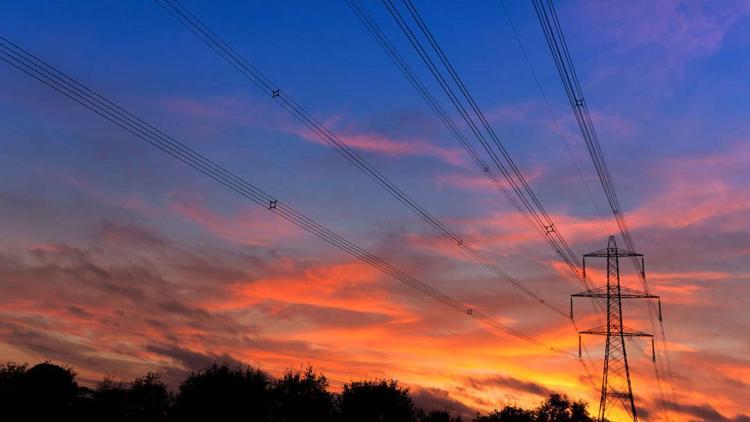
[[244, 113]]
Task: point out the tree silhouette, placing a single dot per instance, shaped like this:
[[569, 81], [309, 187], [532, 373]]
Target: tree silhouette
[[48, 391], [146, 399], [223, 394], [438, 416], [558, 408], [110, 400], [302, 397], [376, 401], [508, 414], [149, 399], [579, 412], [11, 394]]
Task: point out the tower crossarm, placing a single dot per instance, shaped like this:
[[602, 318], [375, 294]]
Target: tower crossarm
[[626, 332], [611, 252], [625, 293]]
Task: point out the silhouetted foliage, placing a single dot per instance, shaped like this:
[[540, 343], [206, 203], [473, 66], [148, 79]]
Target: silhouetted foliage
[[149, 400], [302, 397], [438, 416], [48, 391], [145, 399], [110, 400], [508, 414], [11, 394], [556, 408], [224, 394], [376, 401]]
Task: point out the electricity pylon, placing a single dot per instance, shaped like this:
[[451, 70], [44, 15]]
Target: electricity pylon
[[616, 386]]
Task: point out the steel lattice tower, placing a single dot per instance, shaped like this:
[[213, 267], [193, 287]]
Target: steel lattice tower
[[616, 385]]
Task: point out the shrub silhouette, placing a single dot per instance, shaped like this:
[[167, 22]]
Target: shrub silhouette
[[302, 397], [376, 401], [223, 394]]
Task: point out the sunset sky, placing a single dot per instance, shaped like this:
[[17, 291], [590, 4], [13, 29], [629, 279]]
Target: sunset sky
[[117, 259]]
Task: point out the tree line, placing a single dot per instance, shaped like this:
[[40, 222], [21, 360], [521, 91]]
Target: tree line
[[228, 393]]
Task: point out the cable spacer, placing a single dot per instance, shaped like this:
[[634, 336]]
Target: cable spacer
[[275, 93], [272, 204]]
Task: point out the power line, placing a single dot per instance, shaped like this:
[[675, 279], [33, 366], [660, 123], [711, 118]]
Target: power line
[[210, 38], [192, 23], [90, 99], [560, 132], [566, 143], [549, 109], [544, 225], [513, 176], [527, 209], [555, 38]]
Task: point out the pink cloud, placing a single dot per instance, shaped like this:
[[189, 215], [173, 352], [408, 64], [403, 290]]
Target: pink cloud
[[249, 226], [481, 182], [693, 189], [513, 113], [378, 143], [685, 29], [237, 111], [699, 188], [131, 200], [220, 108], [613, 125], [210, 116]]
